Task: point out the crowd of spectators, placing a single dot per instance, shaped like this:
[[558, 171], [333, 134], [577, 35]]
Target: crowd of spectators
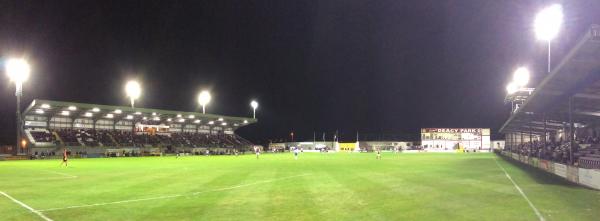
[[69, 136], [560, 151], [93, 138], [42, 136], [209, 140], [78, 137], [123, 138], [104, 137], [42, 154], [554, 151]]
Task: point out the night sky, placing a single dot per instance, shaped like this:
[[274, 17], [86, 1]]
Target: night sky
[[377, 67]]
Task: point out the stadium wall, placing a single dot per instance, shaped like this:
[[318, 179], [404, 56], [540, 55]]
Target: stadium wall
[[585, 177], [344, 147]]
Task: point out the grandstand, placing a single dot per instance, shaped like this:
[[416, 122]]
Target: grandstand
[[557, 123], [98, 130]]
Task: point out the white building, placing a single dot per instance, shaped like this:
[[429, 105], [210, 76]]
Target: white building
[[451, 139]]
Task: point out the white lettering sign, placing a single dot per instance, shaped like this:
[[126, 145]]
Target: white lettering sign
[[589, 178], [560, 169]]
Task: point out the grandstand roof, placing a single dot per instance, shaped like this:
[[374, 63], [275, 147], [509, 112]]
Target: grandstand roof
[[578, 76], [98, 111]]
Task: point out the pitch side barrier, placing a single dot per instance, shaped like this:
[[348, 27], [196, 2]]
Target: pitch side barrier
[[585, 177]]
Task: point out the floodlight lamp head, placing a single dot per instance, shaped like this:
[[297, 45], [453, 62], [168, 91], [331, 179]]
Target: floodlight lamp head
[[548, 22], [133, 89], [521, 77], [511, 88], [204, 98], [17, 70]]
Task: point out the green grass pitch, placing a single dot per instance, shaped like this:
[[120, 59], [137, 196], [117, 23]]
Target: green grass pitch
[[335, 186]]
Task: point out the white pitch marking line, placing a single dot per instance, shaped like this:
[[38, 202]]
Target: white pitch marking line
[[59, 173], [537, 212], [37, 212], [171, 196]]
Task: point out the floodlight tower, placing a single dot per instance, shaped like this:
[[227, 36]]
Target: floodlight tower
[[521, 77], [254, 105], [517, 92], [18, 71], [133, 91], [511, 88], [203, 99], [547, 24]]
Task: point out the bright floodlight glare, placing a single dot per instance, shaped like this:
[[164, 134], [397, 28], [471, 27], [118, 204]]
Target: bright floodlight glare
[[245, 121], [548, 22], [118, 111], [17, 70], [72, 108], [203, 99], [521, 77], [129, 117], [133, 89], [254, 105], [191, 116], [197, 121], [110, 115], [65, 113], [169, 119], [211, 122], [39, 111], [95, 109], [45, 106], [512, 87], [156, 118], [87, 114]]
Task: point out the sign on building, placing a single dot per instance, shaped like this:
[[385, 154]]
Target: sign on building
[[447, 139]]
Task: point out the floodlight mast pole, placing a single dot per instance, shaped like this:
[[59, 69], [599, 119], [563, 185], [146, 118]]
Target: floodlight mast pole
[[254, 105], [18, 71], [132, 88], [18, 94], [547, 25], [549, 57], [132, 120]]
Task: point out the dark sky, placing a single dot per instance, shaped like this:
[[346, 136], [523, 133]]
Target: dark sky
[[377, 67]]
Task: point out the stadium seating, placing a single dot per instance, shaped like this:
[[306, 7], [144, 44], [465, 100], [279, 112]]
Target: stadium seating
[[122, 138], [41, 136], [590, 157], [586, 152], [105, 139], [589, 162], [87, 137], [117, 138], [68, 137]]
